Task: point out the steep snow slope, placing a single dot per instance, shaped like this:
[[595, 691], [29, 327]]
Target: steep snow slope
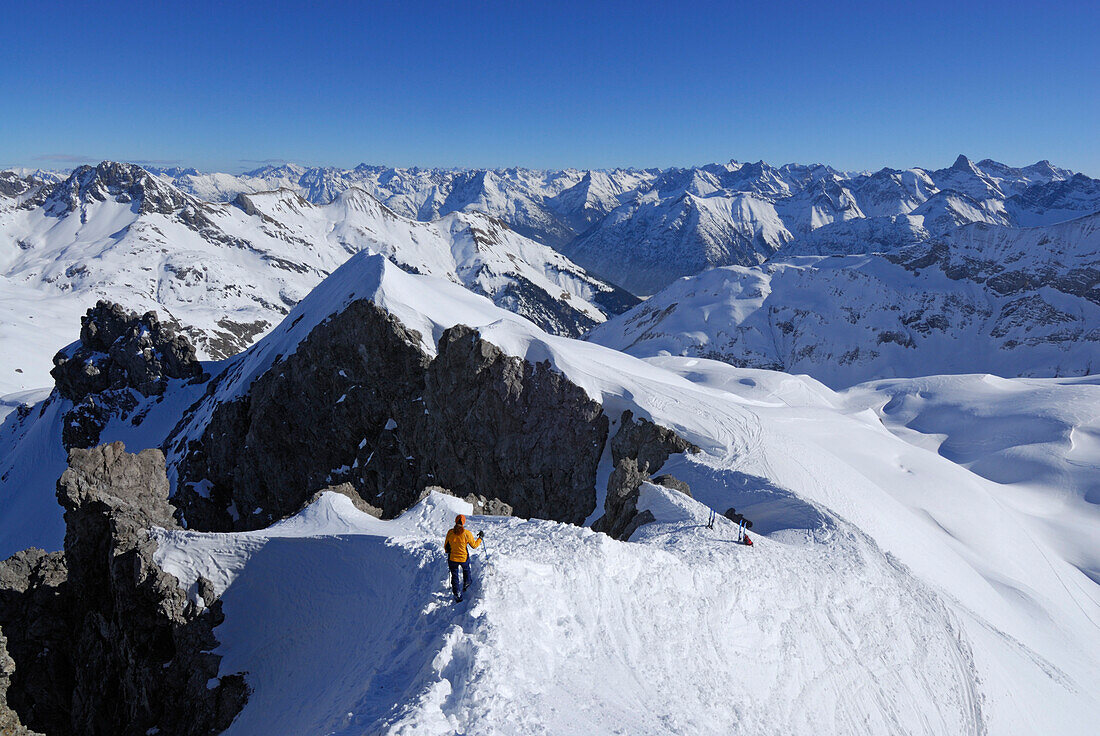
[[227, 273], [982, 299], [894, 589]]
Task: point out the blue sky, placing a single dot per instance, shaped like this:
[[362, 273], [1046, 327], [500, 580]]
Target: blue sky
[[229, 85]]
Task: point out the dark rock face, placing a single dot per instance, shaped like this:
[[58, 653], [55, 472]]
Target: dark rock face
[[621, 516], [317, 418], [33, 597], [648, 443], [361, 402], [10, 724], [501, 427], [638, 449], [112, 644], [118, 351]]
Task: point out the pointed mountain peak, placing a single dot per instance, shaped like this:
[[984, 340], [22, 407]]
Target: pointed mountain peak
[[122, 182], [962, 163]]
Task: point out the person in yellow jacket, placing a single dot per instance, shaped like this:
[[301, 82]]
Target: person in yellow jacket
[[457, 556]]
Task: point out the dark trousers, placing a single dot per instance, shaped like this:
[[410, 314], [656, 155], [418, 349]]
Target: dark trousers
[[466, 576]]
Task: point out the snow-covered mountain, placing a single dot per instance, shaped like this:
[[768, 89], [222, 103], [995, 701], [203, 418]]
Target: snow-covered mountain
[[228, 272], [233, 253], [924, 560], [980, 299], [643, 229]]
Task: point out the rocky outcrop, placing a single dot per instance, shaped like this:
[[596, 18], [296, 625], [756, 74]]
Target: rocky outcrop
[[104, 641], [347, 490], [671, 481], [482, 506], [361, 402], [638, 449], [488, 506], [119, 351]]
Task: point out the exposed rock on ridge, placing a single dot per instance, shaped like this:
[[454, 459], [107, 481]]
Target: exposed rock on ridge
[[10, 725], [33, 601], [107, 642], [360, 402], [118, 351], [638, 450]]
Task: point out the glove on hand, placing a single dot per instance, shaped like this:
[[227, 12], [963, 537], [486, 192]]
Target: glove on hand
[[481, 535]]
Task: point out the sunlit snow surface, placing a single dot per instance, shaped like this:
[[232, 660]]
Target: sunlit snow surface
[[922, 561]]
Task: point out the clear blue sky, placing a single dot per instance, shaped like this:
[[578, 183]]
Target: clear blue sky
[[858, 85]]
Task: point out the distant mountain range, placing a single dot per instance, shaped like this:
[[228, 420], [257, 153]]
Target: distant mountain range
[[980, 299], [226, 256], [225, 272], [642, 229]]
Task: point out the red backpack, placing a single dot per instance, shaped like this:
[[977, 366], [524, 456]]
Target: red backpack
[[748, 540]]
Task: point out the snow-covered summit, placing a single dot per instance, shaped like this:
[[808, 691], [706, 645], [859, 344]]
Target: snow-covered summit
[[631, 226]]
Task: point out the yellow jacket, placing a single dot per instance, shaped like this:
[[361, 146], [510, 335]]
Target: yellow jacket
[[455, 544]]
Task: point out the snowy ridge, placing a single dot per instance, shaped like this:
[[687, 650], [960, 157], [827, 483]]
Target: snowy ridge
[[463, 669], [891, 587]]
